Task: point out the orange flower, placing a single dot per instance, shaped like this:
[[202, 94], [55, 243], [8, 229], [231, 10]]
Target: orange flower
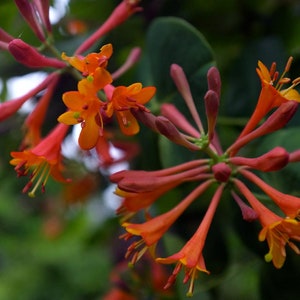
[[272, 95], [84, 107], [190, 256], [277, 230], [88, 64], [278, 234], [44, 159], [152, 231], [125, 98]]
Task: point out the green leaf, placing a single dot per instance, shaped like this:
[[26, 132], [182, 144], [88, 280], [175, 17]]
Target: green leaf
[[171, 40]]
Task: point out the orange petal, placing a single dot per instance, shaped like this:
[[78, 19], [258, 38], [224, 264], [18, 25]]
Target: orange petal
[[73, 100], [145, 95], [89, 134], [67, 118], [127, 122]]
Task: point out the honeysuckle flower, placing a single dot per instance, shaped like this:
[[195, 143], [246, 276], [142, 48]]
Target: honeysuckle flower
[[119, 15], [272, 95], [289, 204], [28, 11], [85, 108], [123, 99], [278, 119], [152, 230], [140, 189], [44, 160], [33, 122], [190, 256], [89, 63], [8, 108], [42, 7], [276, 230], [30, 57]]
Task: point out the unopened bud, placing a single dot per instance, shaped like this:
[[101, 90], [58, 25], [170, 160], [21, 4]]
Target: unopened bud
[[28, 11], [212, 103], [169, 130], [273, 160], [30, 57], [221, 172], [214, 80]]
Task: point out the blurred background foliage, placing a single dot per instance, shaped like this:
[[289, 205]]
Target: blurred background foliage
[[64, 244]]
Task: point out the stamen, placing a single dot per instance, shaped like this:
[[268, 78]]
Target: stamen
[[288, 64], [272, 69], [286, 69], [192, 275]]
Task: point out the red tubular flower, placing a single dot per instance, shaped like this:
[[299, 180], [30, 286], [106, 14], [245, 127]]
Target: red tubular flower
[[30, 57], [33, 122], [42, 7], [278, 231], [140, 189], [10, 107], [289, 204], [152, 231], [278, 119], [190, 256], [143, 181], [271, 96], [120, 14], [273, 160], [45, 159], [124, 99], [29, 13]]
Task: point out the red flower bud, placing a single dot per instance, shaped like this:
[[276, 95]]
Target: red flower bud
[[212, 102], [30, 57], [273, 160], [168, 129], [221, 171], [29, 13], [214, 80]]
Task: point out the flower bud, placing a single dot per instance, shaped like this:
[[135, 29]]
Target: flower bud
[[214, 80], [168, 129], [221, 171], [30, 57], [273, 160], [212, 102], [29, 13]]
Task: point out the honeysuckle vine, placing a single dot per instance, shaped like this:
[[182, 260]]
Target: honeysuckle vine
[[98, 102]]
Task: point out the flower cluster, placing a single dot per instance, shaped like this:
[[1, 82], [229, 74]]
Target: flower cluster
[[220, 170], [92, 105], [98, 102]]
